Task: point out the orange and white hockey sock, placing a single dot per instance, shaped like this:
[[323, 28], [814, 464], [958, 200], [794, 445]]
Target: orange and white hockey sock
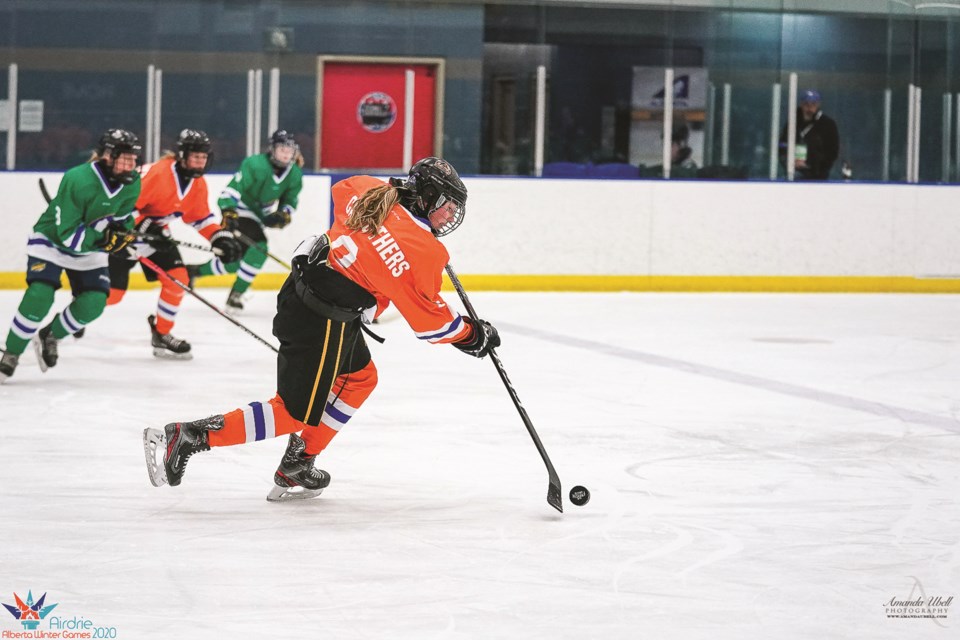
[[170, 298], [349, 392], [262, 420], [256, 421]]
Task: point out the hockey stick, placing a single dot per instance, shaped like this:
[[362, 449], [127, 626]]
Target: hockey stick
[[146, 237], [554, 495], [43, 191], [253, 245], [166, 277]]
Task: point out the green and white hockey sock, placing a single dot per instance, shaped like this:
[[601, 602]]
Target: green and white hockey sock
[[250, 266], [36, 302], [84, 309], [217, 268]]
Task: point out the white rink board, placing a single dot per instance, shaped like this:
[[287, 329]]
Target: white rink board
[[518, 226]]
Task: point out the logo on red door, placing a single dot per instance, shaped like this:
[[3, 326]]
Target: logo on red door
[[376, 112]]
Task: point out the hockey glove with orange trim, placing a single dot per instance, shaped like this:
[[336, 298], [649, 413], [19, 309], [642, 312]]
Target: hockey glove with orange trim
[[485, 337]]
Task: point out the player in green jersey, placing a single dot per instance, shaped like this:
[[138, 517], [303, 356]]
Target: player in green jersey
[[263, 193], [90, 218]]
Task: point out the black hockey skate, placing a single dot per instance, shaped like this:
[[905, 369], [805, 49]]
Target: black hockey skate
[[8, 364], [297, 478], [178, 441], [45, 344], [166, 346], [235, 303]]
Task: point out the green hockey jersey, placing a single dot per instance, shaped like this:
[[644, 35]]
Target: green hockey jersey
[[256, 191], [74, 221]]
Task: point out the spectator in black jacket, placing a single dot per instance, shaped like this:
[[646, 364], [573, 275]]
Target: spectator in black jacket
[[818, 142]]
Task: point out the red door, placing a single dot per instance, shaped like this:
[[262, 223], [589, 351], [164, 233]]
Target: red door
[[363, 111]]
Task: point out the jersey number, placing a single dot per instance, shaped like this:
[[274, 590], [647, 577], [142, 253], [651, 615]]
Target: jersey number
[[351, 247]]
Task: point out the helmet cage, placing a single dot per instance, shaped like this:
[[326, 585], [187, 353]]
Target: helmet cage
[[435, 183], [454, 222], [116, 142], [279, 140]]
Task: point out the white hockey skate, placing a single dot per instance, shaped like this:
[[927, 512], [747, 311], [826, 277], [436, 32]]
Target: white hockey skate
[[154, 442]]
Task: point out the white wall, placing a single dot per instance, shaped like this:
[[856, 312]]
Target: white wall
[[526, 226], [637, 228]]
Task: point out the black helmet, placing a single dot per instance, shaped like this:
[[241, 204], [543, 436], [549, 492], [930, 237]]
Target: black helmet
[[282, 138], [115, 142], [433, 182], [193, 141]]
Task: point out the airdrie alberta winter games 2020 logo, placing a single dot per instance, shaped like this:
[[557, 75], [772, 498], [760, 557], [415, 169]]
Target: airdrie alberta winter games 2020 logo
[[34, 616], [376, 112], [29, 613]]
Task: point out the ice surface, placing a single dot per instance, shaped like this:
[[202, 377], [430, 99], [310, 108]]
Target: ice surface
[[761, 466]]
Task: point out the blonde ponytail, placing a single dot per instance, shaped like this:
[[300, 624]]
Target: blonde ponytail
[[369, 211]]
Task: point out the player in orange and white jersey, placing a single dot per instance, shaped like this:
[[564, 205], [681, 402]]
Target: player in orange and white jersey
[[173, 187], [383, 248]]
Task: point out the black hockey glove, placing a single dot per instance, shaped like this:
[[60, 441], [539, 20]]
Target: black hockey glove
[[277, 219], [485, 337], [226, 246], [156, 235], [116, 238], [231, 220]]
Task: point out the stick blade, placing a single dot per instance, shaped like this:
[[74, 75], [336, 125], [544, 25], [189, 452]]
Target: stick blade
[[554, 497]]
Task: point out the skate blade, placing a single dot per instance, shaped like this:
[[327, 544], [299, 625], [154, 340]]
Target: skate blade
[[38, 349], [286, 494], [233, 311], [3, 378], [154, 440], [170, 355]]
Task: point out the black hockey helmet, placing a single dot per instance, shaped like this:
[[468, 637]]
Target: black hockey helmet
[[193, 141], [115, 142], [281, 138], [431, 183]]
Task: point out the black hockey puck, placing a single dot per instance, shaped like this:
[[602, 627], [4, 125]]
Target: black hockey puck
[[579, 495]]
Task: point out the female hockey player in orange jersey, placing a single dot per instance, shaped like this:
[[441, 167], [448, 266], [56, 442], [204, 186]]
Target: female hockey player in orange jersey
[[173, 187], [382, 248]]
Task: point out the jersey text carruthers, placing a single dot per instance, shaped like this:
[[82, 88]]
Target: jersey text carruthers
[[402, 263]]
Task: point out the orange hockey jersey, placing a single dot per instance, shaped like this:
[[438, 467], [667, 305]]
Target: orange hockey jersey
[[403, 264], [162, 200]]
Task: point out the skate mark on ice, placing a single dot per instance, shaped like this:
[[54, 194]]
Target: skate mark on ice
[[758, 382]]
